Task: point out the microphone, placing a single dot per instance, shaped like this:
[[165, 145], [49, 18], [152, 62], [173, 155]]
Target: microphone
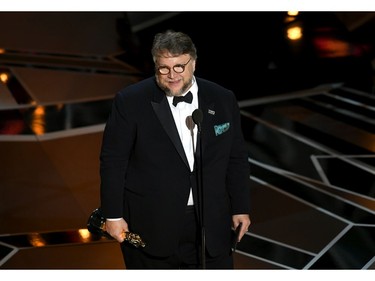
[[197, 118], [189, 123]]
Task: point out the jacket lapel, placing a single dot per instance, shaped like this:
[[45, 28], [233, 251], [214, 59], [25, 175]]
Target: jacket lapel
[[208, 108], [163, 112]]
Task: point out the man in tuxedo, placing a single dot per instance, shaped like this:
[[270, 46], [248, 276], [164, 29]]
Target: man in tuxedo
[[175, 171]]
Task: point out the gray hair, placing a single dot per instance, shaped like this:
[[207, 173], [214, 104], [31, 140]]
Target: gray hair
[[176, 43]]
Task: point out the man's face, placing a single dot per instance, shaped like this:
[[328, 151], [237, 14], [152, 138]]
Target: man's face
[[174, 82]]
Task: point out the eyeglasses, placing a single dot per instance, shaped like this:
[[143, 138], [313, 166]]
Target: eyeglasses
[[178, 68]]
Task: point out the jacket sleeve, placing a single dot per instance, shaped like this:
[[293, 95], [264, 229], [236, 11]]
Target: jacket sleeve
[[238, 175], [117, 142]]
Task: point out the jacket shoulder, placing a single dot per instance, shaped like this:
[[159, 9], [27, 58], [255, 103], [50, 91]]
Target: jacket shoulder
[[142, 86], [210, 85]]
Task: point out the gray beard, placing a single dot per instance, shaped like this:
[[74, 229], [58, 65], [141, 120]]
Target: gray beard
[[168, 92]]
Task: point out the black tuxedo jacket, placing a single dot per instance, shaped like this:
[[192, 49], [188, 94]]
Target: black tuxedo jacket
[[145, 175]]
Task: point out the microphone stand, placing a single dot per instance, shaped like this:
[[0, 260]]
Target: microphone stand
[[197, 118], [201, 198]]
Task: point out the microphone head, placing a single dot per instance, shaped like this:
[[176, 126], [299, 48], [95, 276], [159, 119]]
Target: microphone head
[[189, 123], [197, 116]]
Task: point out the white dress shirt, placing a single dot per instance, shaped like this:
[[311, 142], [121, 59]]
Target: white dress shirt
[[180, 112]]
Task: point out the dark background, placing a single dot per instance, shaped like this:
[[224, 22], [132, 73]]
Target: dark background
[[249, 52]]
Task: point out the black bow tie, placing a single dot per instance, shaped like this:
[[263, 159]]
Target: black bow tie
[[187, 98]]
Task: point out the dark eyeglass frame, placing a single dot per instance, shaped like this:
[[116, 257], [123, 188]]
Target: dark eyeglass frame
[[167, 68]]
